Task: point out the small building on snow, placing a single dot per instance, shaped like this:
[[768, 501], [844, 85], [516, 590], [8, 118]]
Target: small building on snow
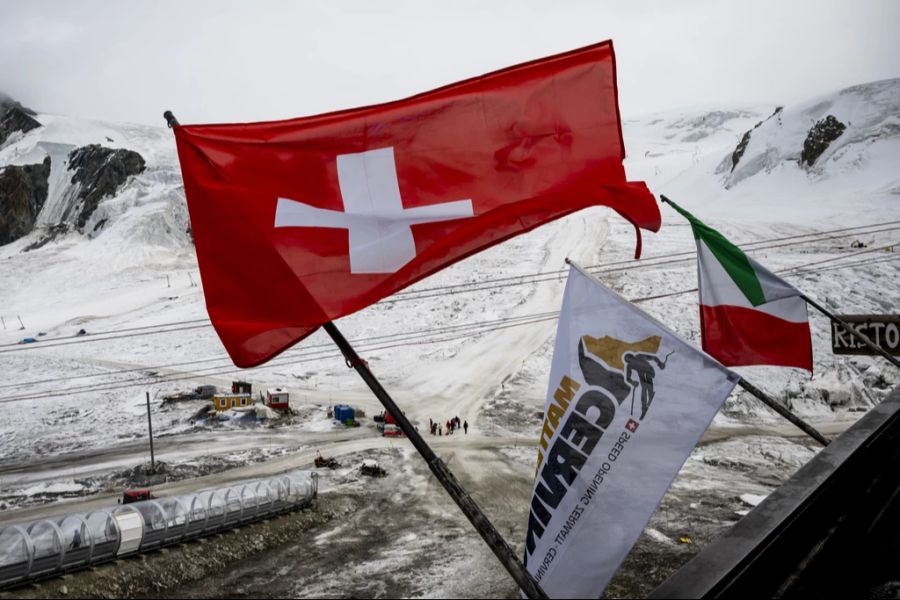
[[223, 402], [278, 399]]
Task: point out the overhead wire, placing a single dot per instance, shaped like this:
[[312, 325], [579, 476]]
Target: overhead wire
[[294, 353], [321, 353], [848, 232], [645, 263], [378, 343], [470, 287]]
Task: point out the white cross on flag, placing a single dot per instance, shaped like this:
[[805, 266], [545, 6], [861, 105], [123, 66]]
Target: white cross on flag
[[300, 222], [380, 228]]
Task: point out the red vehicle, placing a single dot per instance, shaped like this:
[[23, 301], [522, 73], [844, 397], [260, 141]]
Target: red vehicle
[[391, 431], [389, 427], [137, 495]]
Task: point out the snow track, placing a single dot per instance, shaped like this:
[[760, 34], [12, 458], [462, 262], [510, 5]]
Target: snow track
[[466, 380], [140, 270]]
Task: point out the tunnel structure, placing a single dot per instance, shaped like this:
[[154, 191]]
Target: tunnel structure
[[56, 545]]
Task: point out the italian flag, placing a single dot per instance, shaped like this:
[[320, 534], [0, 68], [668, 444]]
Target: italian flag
[[748, 315]]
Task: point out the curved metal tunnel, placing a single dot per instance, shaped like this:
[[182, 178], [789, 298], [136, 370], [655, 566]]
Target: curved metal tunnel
[[45, 547]]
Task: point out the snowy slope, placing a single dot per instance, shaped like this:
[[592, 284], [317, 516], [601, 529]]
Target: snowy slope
[[139, 269], [770, 194], [143, 234], [856, 176], [862, 158], [149, 211]]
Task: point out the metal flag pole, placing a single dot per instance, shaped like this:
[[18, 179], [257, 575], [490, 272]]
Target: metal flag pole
[[784, 412], [852, 331], [150, 429], [466, 503], [470, 508]]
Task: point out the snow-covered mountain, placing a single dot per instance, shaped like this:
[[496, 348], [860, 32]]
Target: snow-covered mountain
[[97, 238], [62, 176], [120, 180], [851, 138], [109, 248]]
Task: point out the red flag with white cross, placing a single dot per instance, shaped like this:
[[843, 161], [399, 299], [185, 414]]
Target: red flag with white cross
[[303, 221]]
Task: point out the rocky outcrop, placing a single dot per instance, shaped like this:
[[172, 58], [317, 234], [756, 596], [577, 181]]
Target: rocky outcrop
[[97, 173], [23, 191], [48, 234], [14, 117], [820, 136], [740, 149], [100, 171], [745, 141]]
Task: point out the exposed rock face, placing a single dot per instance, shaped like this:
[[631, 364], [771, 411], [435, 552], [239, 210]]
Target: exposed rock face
[[23, 191], [745, 141], [14, 117], [48, 235], [101, 171], [739, 150], [820, 136]]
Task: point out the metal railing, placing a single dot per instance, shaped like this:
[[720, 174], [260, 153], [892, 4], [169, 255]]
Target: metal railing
[[832, 530]]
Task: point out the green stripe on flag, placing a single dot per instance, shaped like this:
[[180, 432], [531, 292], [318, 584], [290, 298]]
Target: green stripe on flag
[[735, 262]]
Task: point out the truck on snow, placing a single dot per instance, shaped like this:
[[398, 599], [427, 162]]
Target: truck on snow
[[387, 425]]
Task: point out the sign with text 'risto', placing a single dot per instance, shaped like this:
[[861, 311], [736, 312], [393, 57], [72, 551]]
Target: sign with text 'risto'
[[883, 330]]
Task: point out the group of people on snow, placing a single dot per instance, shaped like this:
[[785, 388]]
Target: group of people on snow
[[450, 426]]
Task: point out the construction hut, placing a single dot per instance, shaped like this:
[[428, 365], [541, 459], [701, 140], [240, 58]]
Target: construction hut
[[241, 387], [278, 399], [223, 402]]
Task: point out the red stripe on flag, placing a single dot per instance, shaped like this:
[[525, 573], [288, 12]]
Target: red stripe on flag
[[738, 336]]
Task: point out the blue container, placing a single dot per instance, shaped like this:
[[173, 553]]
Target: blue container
[[342, 412]]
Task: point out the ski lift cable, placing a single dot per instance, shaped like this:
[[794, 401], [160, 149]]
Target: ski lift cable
[[527, 279], [485, 285], [412, 340], [16, 347], [294, 353], [281, 361]]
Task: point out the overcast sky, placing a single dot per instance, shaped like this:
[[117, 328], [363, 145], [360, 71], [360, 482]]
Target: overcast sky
[[212, 61]]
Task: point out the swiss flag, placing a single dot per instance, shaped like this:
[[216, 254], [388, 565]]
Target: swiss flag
[[303, 221]]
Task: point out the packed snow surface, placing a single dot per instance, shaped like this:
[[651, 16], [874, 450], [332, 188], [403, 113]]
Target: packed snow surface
[[480, 352], [140, 272]]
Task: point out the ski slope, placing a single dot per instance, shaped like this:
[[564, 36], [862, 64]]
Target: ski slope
[[140, 272]]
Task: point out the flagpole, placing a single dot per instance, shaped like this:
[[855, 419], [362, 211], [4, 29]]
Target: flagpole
[[771, 403], [852, 331], [456, 491], [171, 121], [466, 503]]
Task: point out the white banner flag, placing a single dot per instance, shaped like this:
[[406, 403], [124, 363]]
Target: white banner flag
[[627, 402]]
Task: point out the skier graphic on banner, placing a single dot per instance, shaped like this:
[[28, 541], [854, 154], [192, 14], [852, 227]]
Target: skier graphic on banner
[[619, 362]]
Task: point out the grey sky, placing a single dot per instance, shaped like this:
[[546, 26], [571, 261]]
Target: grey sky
[[213, 61]]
